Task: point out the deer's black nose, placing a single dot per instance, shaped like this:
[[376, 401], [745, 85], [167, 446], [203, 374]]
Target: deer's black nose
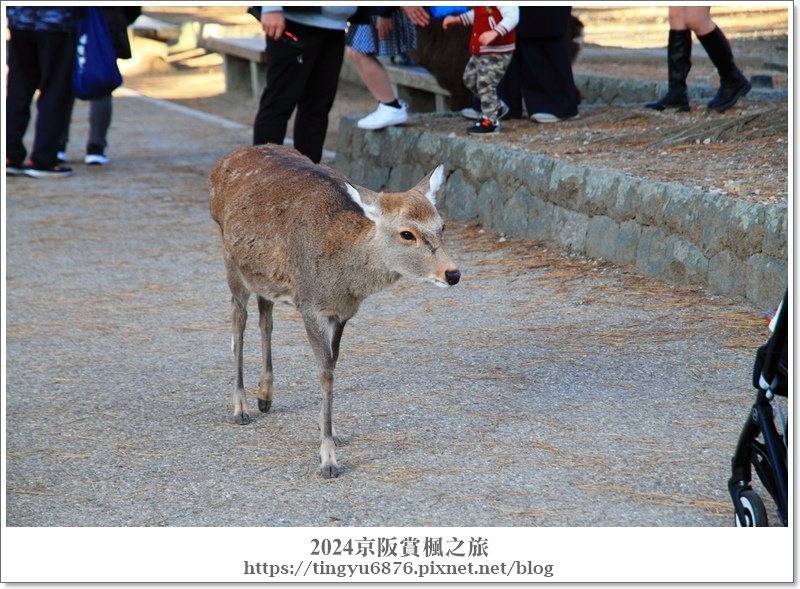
[[452, 276]]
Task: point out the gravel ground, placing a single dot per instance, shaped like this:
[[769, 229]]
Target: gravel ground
[[543, 390]]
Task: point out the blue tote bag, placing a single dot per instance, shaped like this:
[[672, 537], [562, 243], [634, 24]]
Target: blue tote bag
[[96, 73]]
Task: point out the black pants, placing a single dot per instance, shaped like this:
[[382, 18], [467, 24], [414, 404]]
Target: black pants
[[540, 75], [302, 75], [38, 60]]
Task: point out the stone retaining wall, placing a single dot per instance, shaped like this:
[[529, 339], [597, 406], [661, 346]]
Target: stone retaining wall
[[596, 89], [686, 236]]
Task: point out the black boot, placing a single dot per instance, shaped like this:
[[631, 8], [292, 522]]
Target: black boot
[[733, 84], [679, 62]]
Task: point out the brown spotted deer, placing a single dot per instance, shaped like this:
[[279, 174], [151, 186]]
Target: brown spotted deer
[[299, 232]]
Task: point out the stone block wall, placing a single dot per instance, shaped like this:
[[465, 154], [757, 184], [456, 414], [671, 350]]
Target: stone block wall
[[687, 236]]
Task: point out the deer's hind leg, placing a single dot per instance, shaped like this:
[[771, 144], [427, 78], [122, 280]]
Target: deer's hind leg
[[239, 298], [265, 326]]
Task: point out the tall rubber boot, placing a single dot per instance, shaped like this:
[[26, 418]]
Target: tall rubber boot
[[733, 84], [679, 62]]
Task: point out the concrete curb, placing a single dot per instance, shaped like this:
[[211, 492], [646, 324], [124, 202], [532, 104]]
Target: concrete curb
[[686, 236]]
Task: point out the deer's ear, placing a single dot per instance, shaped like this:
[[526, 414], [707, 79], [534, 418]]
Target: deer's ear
[[432, 183], [366, 199]]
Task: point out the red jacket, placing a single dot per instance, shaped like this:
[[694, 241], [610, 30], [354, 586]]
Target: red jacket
[[502, 19]]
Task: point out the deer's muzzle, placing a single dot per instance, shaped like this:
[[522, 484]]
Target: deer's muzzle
[[452, 277]]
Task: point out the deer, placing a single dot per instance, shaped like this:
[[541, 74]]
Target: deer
[[299, 232]]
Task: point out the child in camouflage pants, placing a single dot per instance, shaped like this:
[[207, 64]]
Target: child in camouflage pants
[[491, 45]]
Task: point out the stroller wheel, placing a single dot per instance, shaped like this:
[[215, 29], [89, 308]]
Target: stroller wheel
[[754, 510]]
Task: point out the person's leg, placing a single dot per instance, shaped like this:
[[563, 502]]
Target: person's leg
[[470, 77], [316, 99], [564, 91], [23, 78], [679, 60], [698, 19], [287, 73], [56, 56], [733, 84], [390, 110], [491, 70], [548, 87], [62, 148], [363, 48], [509, 90], [677, 18], [373, 74], [470, 80], [100, 112]]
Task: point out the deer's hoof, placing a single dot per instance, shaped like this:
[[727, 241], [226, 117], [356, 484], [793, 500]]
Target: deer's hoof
[[329, 471], [242, 418], [263, 405]]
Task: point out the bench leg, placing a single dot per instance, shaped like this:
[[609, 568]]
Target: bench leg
[[237, 74], [258, 78]]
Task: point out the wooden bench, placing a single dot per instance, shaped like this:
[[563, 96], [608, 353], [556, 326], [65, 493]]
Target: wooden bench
[[245, 62], [417, 86]]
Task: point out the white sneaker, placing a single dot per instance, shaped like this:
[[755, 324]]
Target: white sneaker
[[384, 116], [476, 115], [95, 159], [546, 117], [62, 157]]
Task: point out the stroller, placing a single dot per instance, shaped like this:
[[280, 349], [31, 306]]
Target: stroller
[[768, 455]]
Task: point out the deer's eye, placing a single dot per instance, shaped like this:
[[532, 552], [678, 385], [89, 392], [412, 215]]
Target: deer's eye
[[407, 235]]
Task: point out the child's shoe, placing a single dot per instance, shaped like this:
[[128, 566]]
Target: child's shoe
[[485, 125]]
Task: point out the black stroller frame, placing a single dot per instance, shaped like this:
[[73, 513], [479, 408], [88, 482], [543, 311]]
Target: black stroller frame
[[768, 457]]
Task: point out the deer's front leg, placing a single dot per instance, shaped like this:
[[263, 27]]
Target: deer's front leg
[[265, 326], [323, 333], [327, 447], [335, 330]]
